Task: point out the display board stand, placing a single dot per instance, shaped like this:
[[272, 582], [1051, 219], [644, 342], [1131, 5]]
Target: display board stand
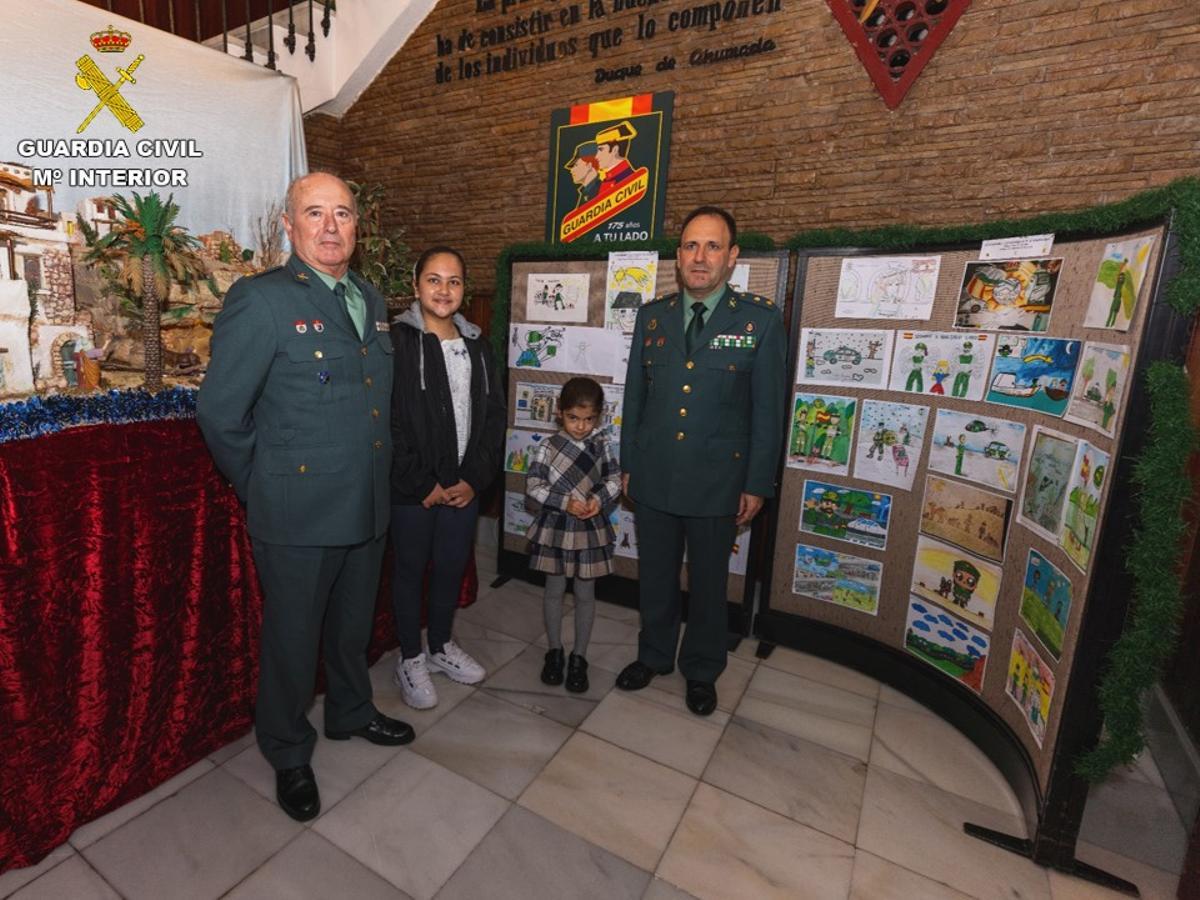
[[1051, 795]]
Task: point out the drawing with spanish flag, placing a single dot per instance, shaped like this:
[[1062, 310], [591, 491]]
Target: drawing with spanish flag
[[608, 169]]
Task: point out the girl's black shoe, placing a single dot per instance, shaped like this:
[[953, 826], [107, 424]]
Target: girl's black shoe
[[577, 680], [552, 671]]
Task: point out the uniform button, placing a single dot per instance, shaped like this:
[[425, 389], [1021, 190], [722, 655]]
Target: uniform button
[[379, 445], [689, 364], [367, 381], [680, 436], [318, 354], [683, 412], [363, 351], [737, 454], [687, 388], [374, 414], [302, 468], [732, 367]]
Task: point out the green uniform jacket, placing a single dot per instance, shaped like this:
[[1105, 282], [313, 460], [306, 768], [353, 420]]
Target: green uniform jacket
[[699, 431], [295, 408]]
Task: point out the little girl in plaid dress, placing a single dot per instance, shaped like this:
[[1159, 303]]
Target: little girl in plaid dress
[[574, 481]]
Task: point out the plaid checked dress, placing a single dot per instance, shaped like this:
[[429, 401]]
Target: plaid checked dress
[[561, 469]]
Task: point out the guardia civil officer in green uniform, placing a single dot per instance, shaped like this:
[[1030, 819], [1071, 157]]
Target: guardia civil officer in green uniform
[[295, 409], [700, 442]]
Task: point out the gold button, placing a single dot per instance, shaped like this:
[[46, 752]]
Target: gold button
[[683, 411], [732, 367], [318, 354], [687, 388], [375, 414], [689, 364], [737, 454], [367, 381], [302, 468], [680, 436], [363, 351], [379, 445]]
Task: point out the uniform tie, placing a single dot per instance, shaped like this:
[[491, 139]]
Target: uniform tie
[[355, 306], [694, 327]]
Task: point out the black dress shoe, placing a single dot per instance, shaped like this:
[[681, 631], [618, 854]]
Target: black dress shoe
[[380, 730], [701, 697], [296, 791], [637, 675], [577, 680], [552, 670]]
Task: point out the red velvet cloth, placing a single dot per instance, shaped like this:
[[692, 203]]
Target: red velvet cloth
[[129, 623]]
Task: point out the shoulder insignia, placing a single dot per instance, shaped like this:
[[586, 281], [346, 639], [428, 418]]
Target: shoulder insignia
[[662, 299], [265, 272]]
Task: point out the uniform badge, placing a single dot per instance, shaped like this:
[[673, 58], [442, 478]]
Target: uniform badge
[[382, 326], [323, 377], [318, 326], [648, 342], [661, 342], [302, 276], [749, 326], [653, 323], [301, 326]]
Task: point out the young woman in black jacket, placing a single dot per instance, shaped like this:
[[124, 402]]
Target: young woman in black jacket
[[448, 422]]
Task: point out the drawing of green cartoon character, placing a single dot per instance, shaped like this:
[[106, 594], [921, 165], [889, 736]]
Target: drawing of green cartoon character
[[916, 382], [966, 579], [962, 381], [539, 346]]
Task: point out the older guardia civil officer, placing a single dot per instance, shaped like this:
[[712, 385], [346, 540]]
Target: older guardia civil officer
[[295, 409], [700, 442]]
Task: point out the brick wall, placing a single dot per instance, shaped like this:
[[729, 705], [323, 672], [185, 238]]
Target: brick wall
[[1037, 106]]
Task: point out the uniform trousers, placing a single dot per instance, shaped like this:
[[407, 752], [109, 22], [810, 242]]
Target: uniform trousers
[[313, 597], [661, 537]]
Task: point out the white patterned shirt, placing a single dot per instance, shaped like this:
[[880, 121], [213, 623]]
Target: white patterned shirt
[[458, 374]]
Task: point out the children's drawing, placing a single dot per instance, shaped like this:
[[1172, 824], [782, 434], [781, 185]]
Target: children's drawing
[[846, 514], [942, 363], [956, 648], [966, 515], [622, 521], [518, 448], [536, 405], [632, 278], [610, 417], [1007, 295], [822, 433], [1082, 510], [1099, 386], [1030, 683], [517, 518], [1033, 373], [740, 555], [565, 348], [837, 578], [979, 448], [536, 347], [890, 442], [887, 287], [1051, 459], [557, 298], [844, 357], [963, 583], [1046, 601], [1119, 283], [595, 351]]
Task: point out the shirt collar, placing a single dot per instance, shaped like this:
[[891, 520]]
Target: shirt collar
[[710, 301]]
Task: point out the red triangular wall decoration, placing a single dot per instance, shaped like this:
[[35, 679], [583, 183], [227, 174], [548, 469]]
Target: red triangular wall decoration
[[896, 38]]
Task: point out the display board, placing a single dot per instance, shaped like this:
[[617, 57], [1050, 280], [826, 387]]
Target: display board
[[585, 309], [954, 433]]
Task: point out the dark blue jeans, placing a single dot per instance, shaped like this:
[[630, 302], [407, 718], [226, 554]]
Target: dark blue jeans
[[443, 536]]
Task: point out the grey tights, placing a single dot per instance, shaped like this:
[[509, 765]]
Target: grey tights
[[585, 611]]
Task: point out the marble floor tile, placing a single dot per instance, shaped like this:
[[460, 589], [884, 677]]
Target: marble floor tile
[[389, 702], [626, 614], [491, 649], [929, 749], [807, 783], [1136, 820], [494, 743], [653, 723], [310, 867], [878, 879], [920, 827], [232, 749], [511, 610], [731, 685], [621, 801], [413, 822], [520, 683], [73, 878], [830, 716], [1153, 884], [815, 668], [88, 834], [726, 848], [14, 879], [525, 857], [664, 890], [605, 630], [893, 697], [209, 836]]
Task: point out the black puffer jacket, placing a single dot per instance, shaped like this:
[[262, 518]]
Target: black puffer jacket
[[425, 443]]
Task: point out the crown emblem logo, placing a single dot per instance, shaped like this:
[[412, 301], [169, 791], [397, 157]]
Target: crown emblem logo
[[110, 40]]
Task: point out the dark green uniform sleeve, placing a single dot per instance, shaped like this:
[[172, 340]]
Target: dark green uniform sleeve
[[635, 395], [768, 390]]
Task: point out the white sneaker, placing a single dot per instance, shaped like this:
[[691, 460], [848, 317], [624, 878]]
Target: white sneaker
[[416, 687], [457, 664]]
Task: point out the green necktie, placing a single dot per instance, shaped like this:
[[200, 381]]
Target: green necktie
[[354, 306], [694, 327]]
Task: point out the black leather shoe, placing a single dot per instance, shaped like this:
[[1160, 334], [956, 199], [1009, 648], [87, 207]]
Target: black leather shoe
[[701, 697], [577, 680], [380, 730], [552, 670], [637, 675], [296, 791]]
